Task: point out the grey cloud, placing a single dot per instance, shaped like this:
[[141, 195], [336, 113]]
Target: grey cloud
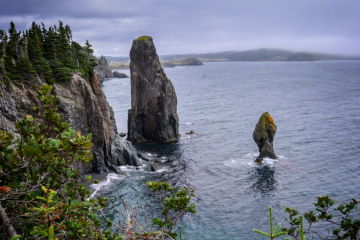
[[198, 26]]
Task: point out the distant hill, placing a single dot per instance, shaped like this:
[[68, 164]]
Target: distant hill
[[258, 55], [301, 57], [262, 54]]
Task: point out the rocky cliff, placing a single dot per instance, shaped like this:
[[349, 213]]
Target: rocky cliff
[[85, 106], [153, 114], [103, 69]]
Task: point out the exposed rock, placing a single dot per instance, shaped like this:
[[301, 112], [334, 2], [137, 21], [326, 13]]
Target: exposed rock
[[155, 167], [192, 61], [119, 75], [153, 114], [85, 106], [191, 132], [130, 158], [103, 69], [143, 156], [263, 135], [122, 134]]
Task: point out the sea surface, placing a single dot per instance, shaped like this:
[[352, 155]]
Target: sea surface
[[316, 106]]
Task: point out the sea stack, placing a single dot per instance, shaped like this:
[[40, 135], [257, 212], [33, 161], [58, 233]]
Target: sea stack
[[153, 115], [103, 69], [264, 134]]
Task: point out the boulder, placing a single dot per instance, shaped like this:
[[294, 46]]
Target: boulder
[[153, 115], [103, 69], [119, 75], [263, 135], [155, 167]]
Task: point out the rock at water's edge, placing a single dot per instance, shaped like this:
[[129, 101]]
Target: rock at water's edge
[[263, 135], [81, 103], [119, 75], [103, 69], [153, 114]]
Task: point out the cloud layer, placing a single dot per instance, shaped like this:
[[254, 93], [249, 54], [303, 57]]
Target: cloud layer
[[200, 26]]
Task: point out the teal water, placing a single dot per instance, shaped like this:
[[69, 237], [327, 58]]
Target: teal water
[[316, 106]]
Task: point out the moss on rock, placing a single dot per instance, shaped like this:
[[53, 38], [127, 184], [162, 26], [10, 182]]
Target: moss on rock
[[143, 38]]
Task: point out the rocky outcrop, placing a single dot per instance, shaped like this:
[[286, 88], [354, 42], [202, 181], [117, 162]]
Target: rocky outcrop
[[192, 61], [119, 75], [263, 135], [153, 114], [103, 69], [168, 64], [85, 106]]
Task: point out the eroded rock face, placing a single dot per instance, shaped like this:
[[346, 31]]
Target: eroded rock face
[[103, 69], [263, 135], [153, 114], [85, 106]]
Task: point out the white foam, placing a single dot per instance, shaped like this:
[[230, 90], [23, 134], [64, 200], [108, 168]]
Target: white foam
[[249, 160], [189, 123], [100, 185]]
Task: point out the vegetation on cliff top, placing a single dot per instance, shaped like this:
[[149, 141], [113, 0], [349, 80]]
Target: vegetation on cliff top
[[47, 53], [143, 38]]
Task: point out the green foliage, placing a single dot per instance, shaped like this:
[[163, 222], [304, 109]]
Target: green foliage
[[274, 233], [176, 203], [39, 187], [48, 53], [341, 221]]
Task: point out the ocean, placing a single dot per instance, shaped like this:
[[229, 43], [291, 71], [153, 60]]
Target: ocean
[[316, 106]]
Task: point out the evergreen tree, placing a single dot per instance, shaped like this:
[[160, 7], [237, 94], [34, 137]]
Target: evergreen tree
[[50, 53], [12, 52], [24, 66]]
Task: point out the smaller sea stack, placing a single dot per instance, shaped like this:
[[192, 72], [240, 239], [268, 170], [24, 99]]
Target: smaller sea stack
[[153, 114], [264, 134]]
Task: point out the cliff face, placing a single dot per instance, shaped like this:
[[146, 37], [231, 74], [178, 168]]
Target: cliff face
[[85, 106], [103, 69], [153, 114]]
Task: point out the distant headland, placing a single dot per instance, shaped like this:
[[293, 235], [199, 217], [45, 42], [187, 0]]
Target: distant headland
[[256, 55]]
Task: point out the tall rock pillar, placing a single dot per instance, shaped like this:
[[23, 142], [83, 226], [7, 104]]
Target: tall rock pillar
[[263, 135], [153, 114]]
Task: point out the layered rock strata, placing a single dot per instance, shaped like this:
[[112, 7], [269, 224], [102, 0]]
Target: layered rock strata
[[103, 69], [153, 114], [85, 106], [263, 135]]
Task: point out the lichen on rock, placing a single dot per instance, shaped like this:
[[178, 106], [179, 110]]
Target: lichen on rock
[[263, 135], [153, 114]]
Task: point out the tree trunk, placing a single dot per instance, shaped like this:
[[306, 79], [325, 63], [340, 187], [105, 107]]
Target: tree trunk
[[5, 221]]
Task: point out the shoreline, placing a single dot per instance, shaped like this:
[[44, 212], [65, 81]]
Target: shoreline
[[101, 177]]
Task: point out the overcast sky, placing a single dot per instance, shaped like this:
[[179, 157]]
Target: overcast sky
[[198, 26]]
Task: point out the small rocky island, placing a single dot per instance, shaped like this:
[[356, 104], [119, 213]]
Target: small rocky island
[[119, 75], [153, 115], [191, 61], [103, 69], [263, 135]]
